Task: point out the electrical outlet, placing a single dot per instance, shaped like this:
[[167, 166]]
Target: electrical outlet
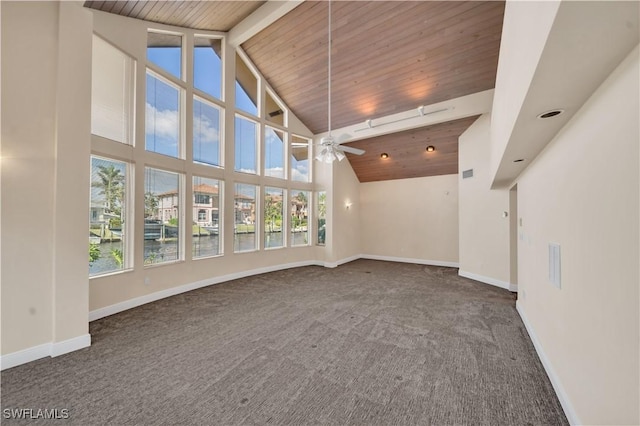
[[147, 280]]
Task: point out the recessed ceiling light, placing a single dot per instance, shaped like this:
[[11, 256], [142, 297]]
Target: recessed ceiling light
[[384, 155], [431, 148], [519, 160], [551, 113]]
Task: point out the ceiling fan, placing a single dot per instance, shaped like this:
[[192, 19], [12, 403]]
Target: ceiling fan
[[330, 147]]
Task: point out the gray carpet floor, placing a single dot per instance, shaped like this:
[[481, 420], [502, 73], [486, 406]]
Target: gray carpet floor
[[367, 343]]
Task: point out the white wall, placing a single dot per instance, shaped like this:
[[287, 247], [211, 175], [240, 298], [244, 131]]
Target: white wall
[[484, 232], [344, 224], [45, 128], [582, 192], [412, 219]]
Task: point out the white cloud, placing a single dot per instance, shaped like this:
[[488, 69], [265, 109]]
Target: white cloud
[[300, 174], [206, 130], [251, 171], [274, 172], [162, 123]]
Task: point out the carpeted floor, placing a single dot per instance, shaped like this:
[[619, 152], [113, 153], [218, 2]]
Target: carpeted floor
[[368, 343]]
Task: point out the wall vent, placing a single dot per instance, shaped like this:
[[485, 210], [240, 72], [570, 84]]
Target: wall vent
[[467, 174]]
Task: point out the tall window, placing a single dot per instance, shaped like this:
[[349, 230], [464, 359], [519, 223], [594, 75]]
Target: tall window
[[162, 116], [162, 236], [273, 217], [207, 217], [245, 212], [207, 66], [299, 204], [274, 152], [322, 217], [246, 145], [108, 234], [246, 88], [299, 159], [112, 89], [165, 51], [206, 132]]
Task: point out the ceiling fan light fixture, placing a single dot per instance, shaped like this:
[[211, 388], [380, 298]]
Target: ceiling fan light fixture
[[329, 154], [431, 148]]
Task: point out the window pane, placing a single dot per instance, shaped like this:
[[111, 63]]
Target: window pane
[[112, 92], [274, 153], [161, 216], [207, 217], [206, 132], [299, 201], [162, 117], [246, 88], [322, 217], [207, 66], [274, 112], [273, 217], [244, 229], [107, 216], [165, 50], [246, 152], [300, 159]]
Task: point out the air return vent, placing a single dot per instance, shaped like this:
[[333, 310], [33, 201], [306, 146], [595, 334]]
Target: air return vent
[[467, 174]]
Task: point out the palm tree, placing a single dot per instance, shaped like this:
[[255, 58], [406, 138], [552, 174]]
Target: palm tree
[[272, 212], [302, 198], [150, 204], [111, 184], [322, 204]]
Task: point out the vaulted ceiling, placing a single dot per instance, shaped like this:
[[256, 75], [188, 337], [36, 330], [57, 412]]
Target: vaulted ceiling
[[387, 57]]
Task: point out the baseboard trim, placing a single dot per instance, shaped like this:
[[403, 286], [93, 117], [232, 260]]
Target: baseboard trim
[[24, 356], [565, 402], [70, 345], [488, 280], [152, 297], [45, 350], [410, 260], [341, 261]]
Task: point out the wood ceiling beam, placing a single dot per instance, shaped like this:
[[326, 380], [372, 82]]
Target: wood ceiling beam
[[462, 107], [264, 16]]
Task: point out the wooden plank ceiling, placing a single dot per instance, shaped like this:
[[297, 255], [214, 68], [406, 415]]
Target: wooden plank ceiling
[[408, 157], [387, 57], [212, 15]]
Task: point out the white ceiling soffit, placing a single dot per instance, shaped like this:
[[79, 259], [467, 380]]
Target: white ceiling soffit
[[586, 42], [453, 109]]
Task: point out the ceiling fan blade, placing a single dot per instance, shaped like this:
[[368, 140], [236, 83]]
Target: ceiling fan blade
[[356, 151]]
